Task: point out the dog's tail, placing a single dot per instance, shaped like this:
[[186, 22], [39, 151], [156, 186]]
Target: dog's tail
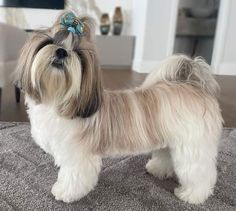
[[182, 69]]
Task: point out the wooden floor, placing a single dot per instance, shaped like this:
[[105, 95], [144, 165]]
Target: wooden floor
[[121, 79]]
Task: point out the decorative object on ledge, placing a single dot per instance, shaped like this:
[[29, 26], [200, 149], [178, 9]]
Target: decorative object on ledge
[[105, 24], [117, 21]]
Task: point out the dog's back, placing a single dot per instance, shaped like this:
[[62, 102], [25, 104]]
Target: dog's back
[[182, 69]]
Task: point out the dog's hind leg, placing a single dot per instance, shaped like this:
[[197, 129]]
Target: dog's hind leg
[[160, 165], [195, 166]]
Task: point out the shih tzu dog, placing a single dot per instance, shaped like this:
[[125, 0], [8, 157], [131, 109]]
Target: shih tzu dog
[[174, 114]]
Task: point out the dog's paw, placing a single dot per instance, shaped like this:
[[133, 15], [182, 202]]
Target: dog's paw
[[192, 195], [65, 193], [61, 193], [159, 170]]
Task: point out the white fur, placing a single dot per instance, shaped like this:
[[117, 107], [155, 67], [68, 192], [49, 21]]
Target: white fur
[[79, 169], [191, 156], [161, 164], [174, 113]]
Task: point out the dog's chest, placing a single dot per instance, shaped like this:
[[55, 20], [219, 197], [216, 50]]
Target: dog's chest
[[49, 130]]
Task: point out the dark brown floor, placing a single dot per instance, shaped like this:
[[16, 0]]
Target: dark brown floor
[[121, 79]]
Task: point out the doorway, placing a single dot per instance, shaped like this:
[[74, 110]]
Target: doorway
[[196, 28]]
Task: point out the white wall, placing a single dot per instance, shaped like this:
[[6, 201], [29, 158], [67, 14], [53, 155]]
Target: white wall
[[43, 18], [157, 29], [154, 26], [230, 39], [40, 18], [138, 29], [35, 18], [224, 52]]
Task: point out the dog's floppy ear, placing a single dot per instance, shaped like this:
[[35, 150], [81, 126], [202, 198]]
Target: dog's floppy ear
[[90, 97], [87, 101]]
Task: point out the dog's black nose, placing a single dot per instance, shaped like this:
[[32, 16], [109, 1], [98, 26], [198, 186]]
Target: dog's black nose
[[61, 53]]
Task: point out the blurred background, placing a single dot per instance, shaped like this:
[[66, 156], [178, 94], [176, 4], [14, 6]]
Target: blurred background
[[132, 37]]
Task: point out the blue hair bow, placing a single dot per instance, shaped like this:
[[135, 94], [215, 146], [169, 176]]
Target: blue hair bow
[[73, 24]]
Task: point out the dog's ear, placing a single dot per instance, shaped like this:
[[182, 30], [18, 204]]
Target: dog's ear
[[22, 74], [90, 97], [85, 102]]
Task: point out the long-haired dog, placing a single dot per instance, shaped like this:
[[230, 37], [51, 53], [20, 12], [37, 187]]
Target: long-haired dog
[[174, 114]]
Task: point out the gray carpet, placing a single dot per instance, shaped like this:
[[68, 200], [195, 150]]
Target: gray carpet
[[27, 174]]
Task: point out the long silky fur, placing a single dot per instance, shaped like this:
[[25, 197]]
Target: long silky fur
[[146, 118], [77, 121]]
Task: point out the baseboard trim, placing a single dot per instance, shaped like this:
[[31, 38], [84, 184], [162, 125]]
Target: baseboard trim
[[227, 68], [145, 66], [116, 67]]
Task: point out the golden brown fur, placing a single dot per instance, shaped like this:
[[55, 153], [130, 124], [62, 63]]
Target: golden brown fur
[[174, 114], [126, 123], [122, 121]]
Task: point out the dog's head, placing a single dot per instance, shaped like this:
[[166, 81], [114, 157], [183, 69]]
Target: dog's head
[[59, 65]]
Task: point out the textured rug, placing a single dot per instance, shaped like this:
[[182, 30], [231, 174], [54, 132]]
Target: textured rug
[[27, 174]]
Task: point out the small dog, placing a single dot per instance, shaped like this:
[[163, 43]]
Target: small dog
[[174, 114]]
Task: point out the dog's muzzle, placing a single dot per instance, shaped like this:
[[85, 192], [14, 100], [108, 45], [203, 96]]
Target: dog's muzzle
[[59, 58]]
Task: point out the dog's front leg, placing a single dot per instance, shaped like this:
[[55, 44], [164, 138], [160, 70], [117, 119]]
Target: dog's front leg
[[77, 177]]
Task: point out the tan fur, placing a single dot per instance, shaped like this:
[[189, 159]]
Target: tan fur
[[140, 120], [129, 121], [174, 114]]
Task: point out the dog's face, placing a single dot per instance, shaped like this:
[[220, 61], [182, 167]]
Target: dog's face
[[60, 67]]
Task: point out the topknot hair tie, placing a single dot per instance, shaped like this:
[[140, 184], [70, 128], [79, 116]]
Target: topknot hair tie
[[73, 23]]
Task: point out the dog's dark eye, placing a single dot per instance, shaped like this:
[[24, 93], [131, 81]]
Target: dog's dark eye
[[45, 43]]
